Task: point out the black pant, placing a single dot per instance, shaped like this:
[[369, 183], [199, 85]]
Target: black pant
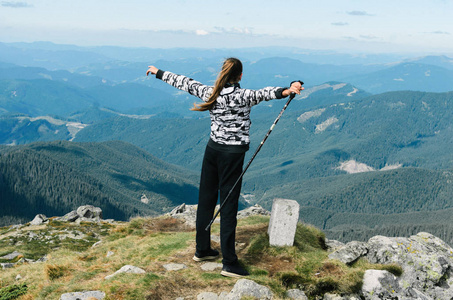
[[219, 172]]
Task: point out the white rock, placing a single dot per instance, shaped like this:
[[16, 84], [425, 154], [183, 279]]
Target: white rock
[[83, 295], [127, 269], [245, 287], [283, 222], [380, 282], [350, 252], [174, 267], [296, 294], [207, 296], [39, 219], [211, 266]]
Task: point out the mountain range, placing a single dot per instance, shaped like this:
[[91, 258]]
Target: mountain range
[[364, 141]]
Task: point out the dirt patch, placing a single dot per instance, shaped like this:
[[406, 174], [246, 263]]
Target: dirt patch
[[166, 224]]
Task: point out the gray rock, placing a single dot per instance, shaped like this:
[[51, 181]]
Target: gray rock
[[42, 259], [296, 294], [255, 210], [415, 294], [245, 287], [350, 252], [215, 238], [426, 260], [83, 295], [174, 267], [333, 245], [11, 256], [86, 213], [379, 284], [127, 269], [6, 265], [338, 297], [211, 266], [39, 220], [96, 244], [69, 217], [188, 213], [89, 212], [207, 296]]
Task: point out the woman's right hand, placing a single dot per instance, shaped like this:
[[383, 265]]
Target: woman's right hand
[[152, 69]]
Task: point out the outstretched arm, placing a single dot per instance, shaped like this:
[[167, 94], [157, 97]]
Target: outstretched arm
[[181, 82]]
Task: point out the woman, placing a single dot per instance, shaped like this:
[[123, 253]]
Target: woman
[[229, 106]]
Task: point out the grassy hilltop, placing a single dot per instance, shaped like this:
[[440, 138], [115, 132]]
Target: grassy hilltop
[[73, 264]]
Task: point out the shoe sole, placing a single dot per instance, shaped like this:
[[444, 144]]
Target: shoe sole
[[204, 258], [229, 274]]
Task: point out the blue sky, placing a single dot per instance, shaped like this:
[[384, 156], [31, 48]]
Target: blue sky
[[349, 25]]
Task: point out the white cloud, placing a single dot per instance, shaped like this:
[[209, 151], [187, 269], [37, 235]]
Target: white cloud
[[15, 4], [340, 24], [440, 32], [234, 30], [368, 37], [358, 13], [201, 32]]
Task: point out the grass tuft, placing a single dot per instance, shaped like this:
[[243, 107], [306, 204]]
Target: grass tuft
[[13, 291], [54, 272]]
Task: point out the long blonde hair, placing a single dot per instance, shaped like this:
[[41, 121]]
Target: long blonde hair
[[230, 73]]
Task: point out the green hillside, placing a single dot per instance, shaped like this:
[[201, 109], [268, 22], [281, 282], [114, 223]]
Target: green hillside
[[54, 178]]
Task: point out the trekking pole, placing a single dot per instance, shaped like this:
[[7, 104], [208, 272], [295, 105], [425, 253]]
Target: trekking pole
[[291, 97]]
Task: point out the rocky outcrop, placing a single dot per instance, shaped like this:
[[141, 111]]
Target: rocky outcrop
[[39, 220], [427, 264], [188, 213], [255, 210], [86, 213]]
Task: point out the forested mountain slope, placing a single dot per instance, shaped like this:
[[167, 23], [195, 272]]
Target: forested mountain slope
[[54, 178]]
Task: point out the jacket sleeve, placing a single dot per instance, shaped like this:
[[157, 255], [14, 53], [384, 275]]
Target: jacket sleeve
[[253, 97], [186, 84]]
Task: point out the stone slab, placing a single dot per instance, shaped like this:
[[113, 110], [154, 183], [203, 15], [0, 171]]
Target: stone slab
[[283, 222]]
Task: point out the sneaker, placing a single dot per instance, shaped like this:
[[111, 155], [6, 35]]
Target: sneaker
[[235, 270], [206, 255]]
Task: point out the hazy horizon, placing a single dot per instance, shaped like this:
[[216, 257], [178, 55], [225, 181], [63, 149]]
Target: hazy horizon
[[348, 26]]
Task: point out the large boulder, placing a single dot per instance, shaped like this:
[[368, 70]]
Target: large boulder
[[39, 220], [86, 213], [350, 252], [249, 288], [188, 213], [379, 284], [427, 264]]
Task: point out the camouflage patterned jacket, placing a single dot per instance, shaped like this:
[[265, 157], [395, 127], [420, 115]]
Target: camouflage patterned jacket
[[230, 116]]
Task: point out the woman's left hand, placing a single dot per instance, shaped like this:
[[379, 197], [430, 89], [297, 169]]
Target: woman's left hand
[[152, 69], [295, 87]]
